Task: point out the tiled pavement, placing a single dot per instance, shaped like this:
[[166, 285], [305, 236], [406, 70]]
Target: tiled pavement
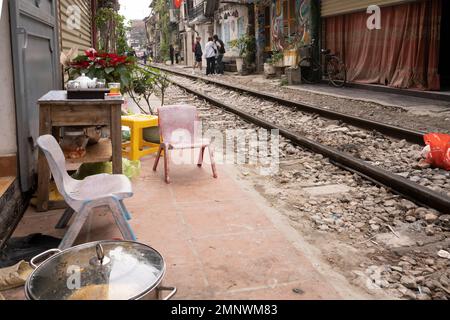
[[215, 234]]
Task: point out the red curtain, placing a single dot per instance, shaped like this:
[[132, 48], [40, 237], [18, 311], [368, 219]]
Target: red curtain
[[404, 53]]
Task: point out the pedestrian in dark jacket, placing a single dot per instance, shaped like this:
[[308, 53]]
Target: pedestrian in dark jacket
[[198, 53], [220, 53], [144, 57], [172, 54]]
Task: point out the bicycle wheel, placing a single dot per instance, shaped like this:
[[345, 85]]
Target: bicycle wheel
[[309, 69], [337, 72]]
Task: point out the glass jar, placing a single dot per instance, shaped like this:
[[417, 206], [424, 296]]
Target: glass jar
[[73, 142], [101, 83], [114, 88]]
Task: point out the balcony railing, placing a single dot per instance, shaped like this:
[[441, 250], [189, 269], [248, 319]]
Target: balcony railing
[[197, 11]]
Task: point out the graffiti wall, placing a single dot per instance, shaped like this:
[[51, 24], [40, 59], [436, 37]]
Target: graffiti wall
[[301, 34], [278, 41], [275, 32], [260, 34], [303, 21]]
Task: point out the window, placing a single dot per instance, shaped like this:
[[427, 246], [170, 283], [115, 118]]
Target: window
[[288, 17], [267, 20], [240, 23], [226, 34]]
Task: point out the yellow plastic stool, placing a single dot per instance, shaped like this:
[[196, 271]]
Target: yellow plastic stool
[[138, 147]]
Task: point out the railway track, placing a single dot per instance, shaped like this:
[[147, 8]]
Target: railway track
[[419, 194], [364, 216], [413, 136]]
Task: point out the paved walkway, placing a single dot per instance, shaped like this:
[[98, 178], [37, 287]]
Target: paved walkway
[[219, 239], [413, 104]]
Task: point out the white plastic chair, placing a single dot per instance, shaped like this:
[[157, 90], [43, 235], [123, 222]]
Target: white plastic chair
[[84, 195]]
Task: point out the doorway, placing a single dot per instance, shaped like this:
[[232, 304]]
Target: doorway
[[444, 61], [35, 47]]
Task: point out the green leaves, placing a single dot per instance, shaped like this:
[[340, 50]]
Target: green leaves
[[124, 80], [146, 81], [245, 44], [109, 70], [112, 30]]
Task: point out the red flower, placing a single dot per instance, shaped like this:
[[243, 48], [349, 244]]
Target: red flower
[[118, 60], [102, 63], [91, 54]]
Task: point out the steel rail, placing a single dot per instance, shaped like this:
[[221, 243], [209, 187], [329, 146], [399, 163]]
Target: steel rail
[[410, 135], [421, 195]]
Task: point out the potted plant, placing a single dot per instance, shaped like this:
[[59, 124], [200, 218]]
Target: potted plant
[[109, 66], [277, 58], [246, 46], [269, 68]]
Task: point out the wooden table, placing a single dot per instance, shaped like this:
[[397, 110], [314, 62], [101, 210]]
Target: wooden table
[[56, 111]]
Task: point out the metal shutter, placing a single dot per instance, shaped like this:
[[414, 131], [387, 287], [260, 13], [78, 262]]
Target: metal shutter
[[82, 37], [337, 7]]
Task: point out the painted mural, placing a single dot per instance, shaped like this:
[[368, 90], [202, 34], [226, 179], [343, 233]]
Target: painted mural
[[303, 21], [278, 42], [302, 34]]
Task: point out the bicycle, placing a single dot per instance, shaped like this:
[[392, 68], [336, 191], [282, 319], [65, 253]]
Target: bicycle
[[335, 69]]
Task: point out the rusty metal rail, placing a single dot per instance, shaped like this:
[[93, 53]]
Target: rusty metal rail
[[410, 135], [420, 195]]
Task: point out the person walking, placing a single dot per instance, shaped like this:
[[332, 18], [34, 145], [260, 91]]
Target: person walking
[[172, 54], [177, 54], [144, 57], [210, 55], [220, 53], [198, 53]]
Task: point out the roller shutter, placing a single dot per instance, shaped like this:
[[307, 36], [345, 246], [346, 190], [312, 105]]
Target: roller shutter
[[76, 37], [337, 7]]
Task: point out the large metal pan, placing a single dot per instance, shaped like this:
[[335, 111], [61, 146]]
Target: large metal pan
[[102, 270]]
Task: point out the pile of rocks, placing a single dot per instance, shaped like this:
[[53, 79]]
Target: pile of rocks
[[395, 115], [400, 157], [361, 213], [420, 277]]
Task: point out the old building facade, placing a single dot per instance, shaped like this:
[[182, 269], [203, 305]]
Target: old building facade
[[387, 55]]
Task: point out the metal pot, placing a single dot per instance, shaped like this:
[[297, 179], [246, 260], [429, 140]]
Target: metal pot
[[102, 270]]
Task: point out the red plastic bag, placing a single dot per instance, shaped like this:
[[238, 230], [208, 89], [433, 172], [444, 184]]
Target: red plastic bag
[[439, 155]]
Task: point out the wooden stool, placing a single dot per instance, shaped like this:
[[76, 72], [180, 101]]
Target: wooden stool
[[138, 147]]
